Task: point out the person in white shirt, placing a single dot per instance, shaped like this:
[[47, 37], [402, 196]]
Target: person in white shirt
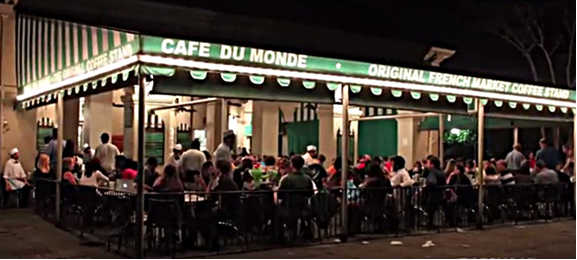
[[92, 176], [174, 158], [224, 150], [191, 160], [400, 177], [16, 177], [106, 154], [310, 155]]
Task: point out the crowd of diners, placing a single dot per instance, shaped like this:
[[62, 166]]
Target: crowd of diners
[[223, 170]]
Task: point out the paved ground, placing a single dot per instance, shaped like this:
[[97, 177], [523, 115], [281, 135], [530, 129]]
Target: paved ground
[[553, 240], [25, 235]]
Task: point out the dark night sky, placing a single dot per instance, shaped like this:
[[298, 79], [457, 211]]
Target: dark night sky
[[393, 32]]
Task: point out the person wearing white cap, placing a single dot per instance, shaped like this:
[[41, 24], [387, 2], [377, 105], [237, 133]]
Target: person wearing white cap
[[310, 155], [174, 158], [15, 175], [224, 149]]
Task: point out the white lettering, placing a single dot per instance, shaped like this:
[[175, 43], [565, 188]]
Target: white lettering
[[256, 55], [167, 46], [204, 50], [225, 52]]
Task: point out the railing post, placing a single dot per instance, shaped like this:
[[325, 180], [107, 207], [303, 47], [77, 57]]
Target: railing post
[[345, 160], [59, 150], [480, 150], [140, 159], [442, 139]]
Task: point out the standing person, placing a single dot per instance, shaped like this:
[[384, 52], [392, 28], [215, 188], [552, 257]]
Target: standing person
[[174, 158], [52, 149], [106, 154], [451, 165], [433, 193], [515, 158], [16, 177], [43, 170], [224, 149], [400, 177], [471, 170], [544, 175], [547, 154], [569, 166], [193, 159], [310, 156]]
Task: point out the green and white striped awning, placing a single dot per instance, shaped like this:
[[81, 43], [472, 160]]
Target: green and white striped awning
[[52, 54]]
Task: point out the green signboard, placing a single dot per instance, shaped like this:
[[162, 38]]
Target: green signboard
[[184, 138], [41, 133], [154, 143], [223, 53]]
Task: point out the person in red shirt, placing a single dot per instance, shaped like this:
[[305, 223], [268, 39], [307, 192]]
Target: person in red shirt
[[128, 171]]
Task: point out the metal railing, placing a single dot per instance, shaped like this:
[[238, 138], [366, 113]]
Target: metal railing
[[197, 223]]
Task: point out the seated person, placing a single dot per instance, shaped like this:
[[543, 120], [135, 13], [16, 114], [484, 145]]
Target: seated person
[[92, 176], [168, 181], [150, 173], [194, 182], [68, 169]]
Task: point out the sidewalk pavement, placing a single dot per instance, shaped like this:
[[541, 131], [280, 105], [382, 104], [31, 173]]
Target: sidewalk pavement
[[550, 240], [25, 235]]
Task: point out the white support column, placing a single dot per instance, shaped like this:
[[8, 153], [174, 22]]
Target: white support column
[[216, 123], [140, 159], [264, 128], [345, 160], [480, 152], [59, 150], [97, 120], [70, 125], [327, 138], [515, 135], [406, 143], [129, 129]]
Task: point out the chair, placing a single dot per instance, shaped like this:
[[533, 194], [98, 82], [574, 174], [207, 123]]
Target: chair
[[163, 223]]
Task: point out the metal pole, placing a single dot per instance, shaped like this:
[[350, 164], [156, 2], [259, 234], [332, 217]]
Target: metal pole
[[442, 138], [59, 149], [345, 160], [140, 159], [515, 135], [480, 149], [416, 115]]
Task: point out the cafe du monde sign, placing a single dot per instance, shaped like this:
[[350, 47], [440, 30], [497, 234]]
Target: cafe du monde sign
[[269, 58]]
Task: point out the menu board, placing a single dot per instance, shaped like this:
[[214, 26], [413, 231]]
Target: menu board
[[154, 143], [41, 133], [184, 138]]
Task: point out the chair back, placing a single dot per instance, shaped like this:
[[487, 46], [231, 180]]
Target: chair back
[[164, 212]]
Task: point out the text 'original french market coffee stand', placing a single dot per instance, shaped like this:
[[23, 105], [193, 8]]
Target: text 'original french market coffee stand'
[[60, 60]]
